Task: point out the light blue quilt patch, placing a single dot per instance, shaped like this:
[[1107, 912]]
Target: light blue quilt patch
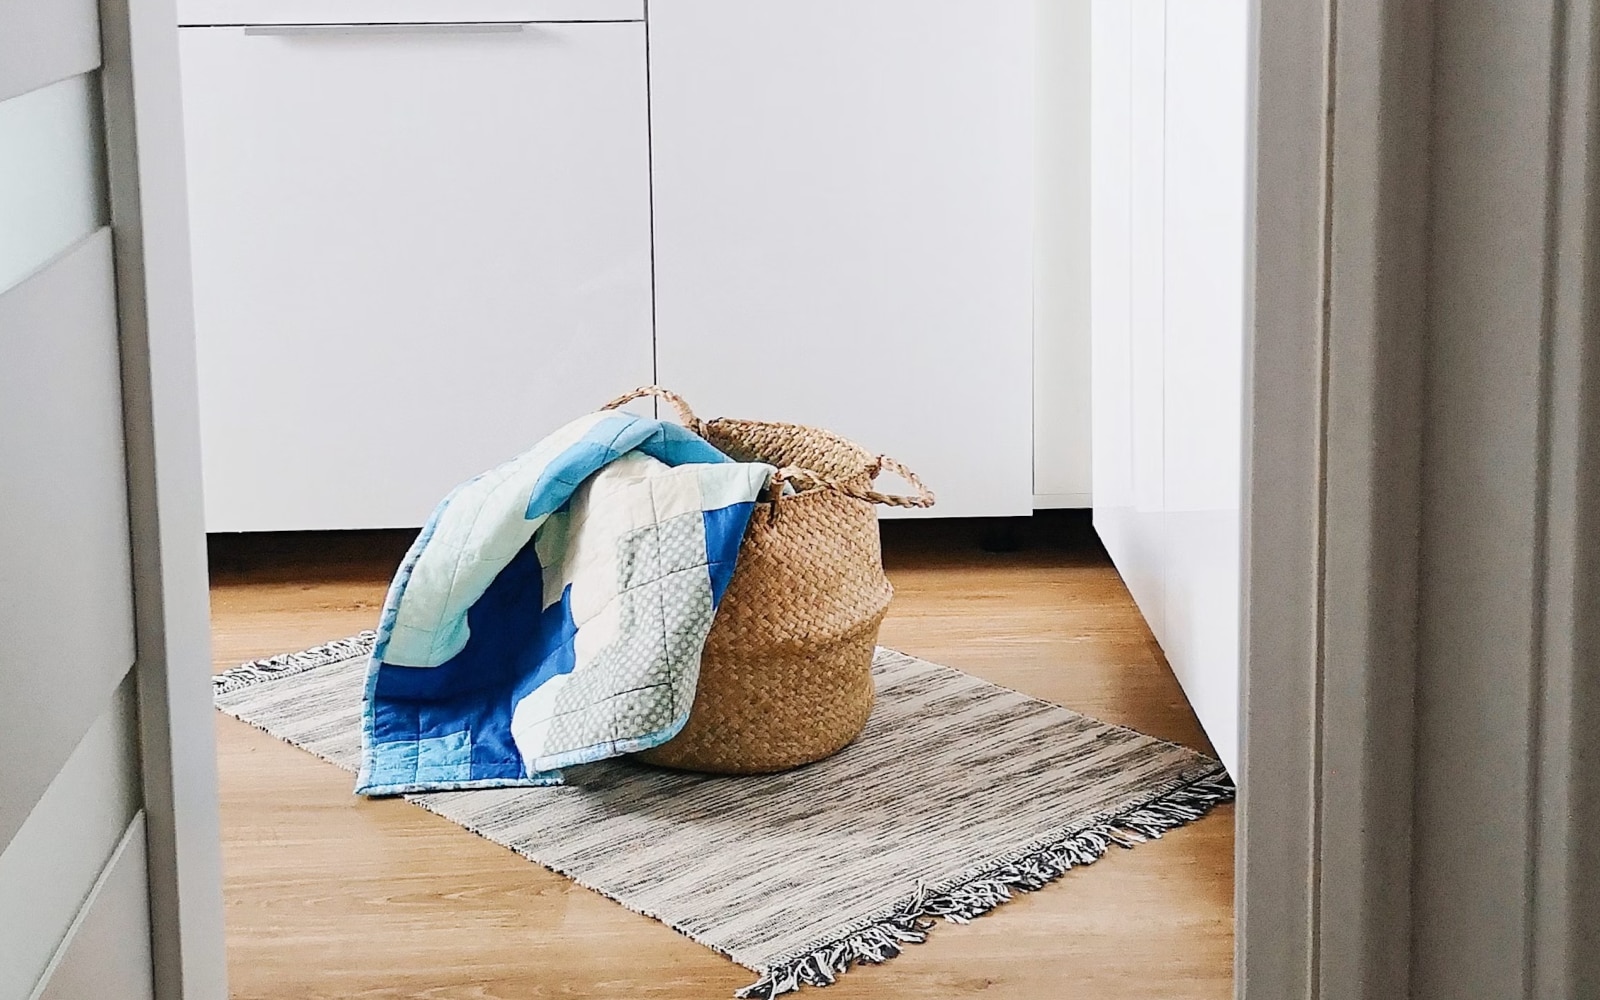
[[553, 611], [445, 758]]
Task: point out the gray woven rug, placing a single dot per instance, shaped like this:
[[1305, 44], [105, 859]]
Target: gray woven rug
[[958, 794]]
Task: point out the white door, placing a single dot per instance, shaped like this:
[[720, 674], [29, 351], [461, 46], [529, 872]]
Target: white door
[[843, 223], [103, 654], [418, 248], [1168, 235]]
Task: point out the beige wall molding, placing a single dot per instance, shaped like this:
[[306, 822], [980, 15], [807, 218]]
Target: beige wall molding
[[1420, 795]]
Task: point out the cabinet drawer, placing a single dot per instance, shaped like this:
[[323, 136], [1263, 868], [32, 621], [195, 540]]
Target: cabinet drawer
[[414, 255], [237, 12]]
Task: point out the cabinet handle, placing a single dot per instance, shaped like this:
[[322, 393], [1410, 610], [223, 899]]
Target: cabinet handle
[[412, 28]]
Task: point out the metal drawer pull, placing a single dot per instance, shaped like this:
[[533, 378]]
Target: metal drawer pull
[[412, 28]]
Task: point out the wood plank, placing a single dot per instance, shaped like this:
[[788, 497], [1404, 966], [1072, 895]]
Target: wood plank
[[333, 896]]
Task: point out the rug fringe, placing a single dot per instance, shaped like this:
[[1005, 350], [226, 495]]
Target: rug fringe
[[256, 671], [912, 919]]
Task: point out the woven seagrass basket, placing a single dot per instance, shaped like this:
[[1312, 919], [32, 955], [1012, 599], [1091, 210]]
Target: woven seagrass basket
[[786, 675]]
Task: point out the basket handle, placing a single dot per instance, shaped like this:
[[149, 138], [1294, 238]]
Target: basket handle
[[685, 412], [802, 478], [806, 479]]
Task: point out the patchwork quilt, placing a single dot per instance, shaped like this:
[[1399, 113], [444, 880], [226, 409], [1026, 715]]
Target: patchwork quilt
[[553, 610]]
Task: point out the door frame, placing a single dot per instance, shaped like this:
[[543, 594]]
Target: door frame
[[1331, 513], [172, 666], [1422, 502]]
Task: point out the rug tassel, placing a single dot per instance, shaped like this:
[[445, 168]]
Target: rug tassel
[[910, 922], [246, 674]]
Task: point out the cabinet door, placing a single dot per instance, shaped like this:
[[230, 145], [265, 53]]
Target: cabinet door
[[417, 249], [1205, 148], [1169, 146], [1126, 143], [843, 221]]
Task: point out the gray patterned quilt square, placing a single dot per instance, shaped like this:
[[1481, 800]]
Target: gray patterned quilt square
[[957, 795]]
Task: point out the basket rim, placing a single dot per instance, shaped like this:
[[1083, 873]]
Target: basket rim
[[868, 459], [844, 460]]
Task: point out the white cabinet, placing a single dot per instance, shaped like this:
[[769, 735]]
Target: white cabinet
[[843, 224], [425, 235], [1169, 148], [417, 249]]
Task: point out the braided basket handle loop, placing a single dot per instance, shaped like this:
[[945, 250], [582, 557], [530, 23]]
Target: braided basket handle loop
[[801, 478], [924, 497], [806, 479], [685, 413]]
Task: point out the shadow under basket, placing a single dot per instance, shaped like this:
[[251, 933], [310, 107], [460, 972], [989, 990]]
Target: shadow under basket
[[786, 673]]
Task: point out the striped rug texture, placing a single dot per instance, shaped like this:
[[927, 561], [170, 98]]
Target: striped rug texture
[[958, 794]]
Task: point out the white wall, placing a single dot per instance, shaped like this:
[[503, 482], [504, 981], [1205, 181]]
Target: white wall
[[1061, 442], [1168, 116]]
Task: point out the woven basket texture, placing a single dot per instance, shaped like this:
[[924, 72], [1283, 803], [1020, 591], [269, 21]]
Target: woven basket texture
[[786, 674]]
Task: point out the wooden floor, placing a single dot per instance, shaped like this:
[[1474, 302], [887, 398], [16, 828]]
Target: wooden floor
[[331, 896]]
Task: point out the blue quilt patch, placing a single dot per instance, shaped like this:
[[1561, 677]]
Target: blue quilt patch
[[553, 610]]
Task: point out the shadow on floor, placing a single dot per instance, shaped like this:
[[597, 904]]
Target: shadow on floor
[[1054, 536]]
